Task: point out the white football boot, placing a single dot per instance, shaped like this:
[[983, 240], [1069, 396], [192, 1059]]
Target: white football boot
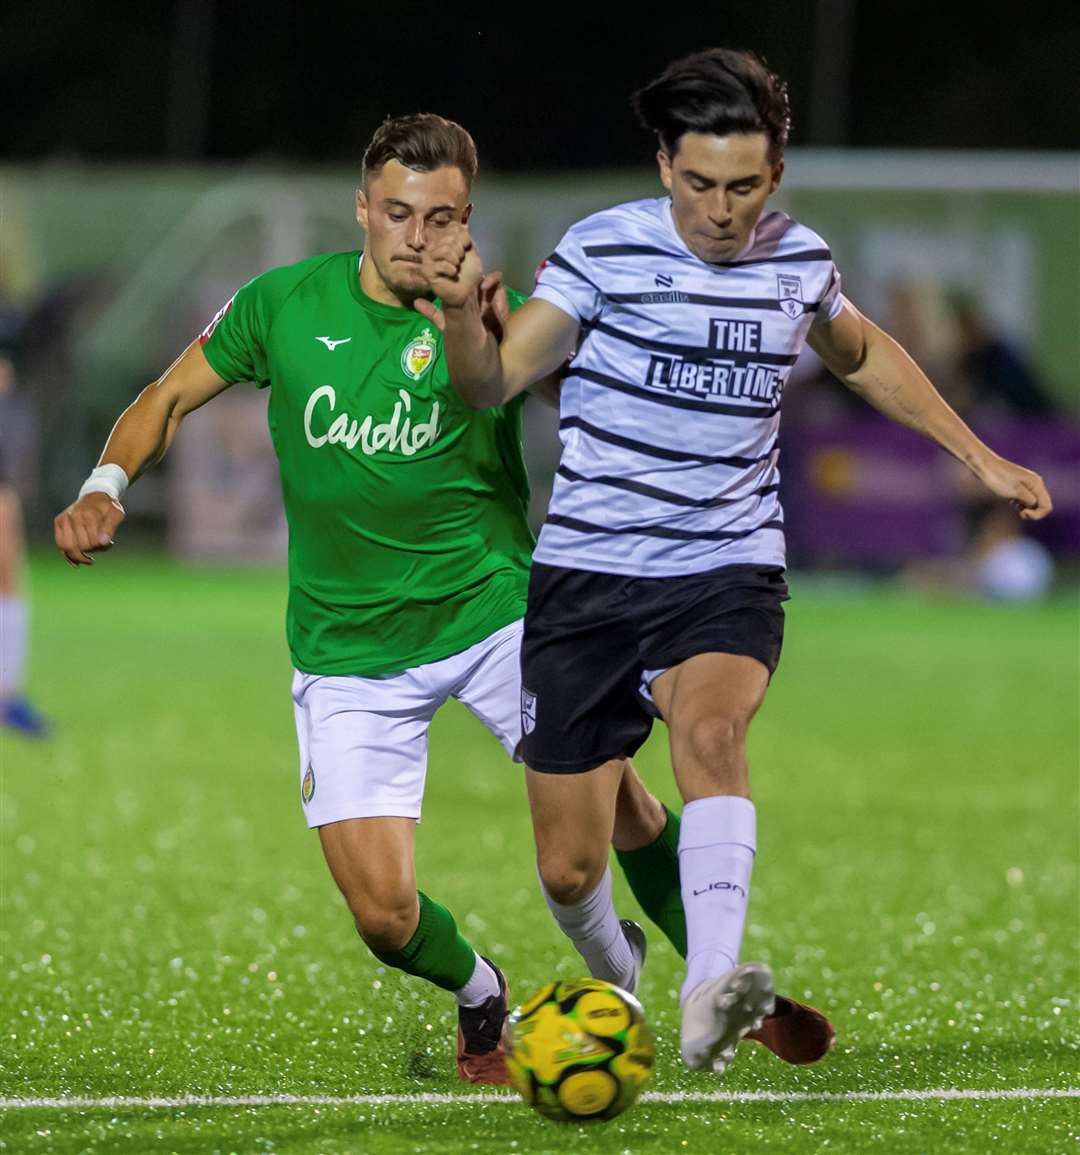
[[721, 1011]]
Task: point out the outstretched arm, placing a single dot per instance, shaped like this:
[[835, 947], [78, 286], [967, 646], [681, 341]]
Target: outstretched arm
[[495, 314], [537, 340], [874, 366], [138, 440]]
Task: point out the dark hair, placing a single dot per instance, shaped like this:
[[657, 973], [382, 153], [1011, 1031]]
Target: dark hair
[[423, 142], [719, 91]]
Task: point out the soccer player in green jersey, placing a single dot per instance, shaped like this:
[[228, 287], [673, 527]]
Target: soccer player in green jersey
[[409, 554]]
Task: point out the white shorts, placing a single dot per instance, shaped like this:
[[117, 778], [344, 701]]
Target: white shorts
[[364, 741]]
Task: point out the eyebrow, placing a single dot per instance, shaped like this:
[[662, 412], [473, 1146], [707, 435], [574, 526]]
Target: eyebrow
[[388, 201], [693, 175]]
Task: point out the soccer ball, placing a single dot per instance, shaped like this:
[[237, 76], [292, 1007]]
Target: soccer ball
[[581, 1051]]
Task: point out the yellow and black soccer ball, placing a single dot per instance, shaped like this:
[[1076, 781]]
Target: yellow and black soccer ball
[[581, 1051]]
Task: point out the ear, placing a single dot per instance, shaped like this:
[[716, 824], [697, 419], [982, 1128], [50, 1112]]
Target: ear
[[466, 214], [361, 209], [664, 161], [775, 176]]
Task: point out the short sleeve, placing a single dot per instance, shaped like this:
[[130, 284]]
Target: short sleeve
[[832, 300], [515, 299], [563, 281], [235, 340]]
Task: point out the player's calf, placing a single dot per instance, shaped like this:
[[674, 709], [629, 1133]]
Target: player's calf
[[640, 817]]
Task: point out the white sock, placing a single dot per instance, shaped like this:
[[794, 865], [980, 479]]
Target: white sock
[[13, 621], [593, 927], [717, 840], [483, 984]]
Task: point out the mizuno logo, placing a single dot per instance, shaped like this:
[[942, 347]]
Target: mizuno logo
[[332, 344]]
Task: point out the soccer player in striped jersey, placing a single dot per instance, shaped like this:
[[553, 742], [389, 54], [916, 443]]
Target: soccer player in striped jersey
[[658, 578], [408, 555]]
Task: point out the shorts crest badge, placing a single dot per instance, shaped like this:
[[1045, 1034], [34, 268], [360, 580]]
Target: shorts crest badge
[[418, 354], [307, 790], [528, 711], [789, 289]]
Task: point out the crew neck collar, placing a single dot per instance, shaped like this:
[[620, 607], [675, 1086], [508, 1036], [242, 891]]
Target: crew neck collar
[[379, 308]]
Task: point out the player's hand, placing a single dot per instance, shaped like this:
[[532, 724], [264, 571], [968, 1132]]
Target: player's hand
[[494, 304], [87, 526], [453, 269], [1024, 488], [492, 299]]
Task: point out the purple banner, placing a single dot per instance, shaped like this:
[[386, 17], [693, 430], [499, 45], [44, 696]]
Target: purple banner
[[861, 490]]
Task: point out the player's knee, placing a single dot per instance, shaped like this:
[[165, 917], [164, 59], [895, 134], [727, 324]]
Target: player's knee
[[569, 879], [717, 740], [385, 926]]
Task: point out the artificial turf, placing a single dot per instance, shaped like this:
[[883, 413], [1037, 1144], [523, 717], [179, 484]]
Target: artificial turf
[[169, 928]]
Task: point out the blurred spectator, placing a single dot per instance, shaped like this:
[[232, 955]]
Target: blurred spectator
[[16, 712], [919, 316], [1008, 565], [976, 369], [1000, 562], [995, 375]]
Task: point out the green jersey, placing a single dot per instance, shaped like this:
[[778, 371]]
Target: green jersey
[[408, 538]]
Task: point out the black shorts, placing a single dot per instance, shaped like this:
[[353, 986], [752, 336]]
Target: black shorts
[[590, 639]]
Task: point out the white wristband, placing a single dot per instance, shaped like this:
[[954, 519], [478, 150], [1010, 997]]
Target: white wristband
[[110, 479]]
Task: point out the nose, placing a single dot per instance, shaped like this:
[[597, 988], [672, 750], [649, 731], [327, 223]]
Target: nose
[[417, 234], [720, 209]]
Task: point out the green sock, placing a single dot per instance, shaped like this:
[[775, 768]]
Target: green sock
[[653, 874], [436, 951]]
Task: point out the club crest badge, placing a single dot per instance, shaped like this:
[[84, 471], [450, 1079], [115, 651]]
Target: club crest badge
[[790, 292], [528, 711], [418, 354], [307, 790]]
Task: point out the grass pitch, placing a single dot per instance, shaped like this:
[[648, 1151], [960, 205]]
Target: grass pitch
[[169, 928]]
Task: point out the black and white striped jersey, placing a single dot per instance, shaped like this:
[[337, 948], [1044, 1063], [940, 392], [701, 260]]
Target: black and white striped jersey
[[671, 407]]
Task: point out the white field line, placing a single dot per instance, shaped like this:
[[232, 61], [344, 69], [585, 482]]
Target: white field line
[[438, 1098]]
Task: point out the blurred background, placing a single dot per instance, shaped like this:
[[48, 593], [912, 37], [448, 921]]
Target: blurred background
[[155, 157]]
